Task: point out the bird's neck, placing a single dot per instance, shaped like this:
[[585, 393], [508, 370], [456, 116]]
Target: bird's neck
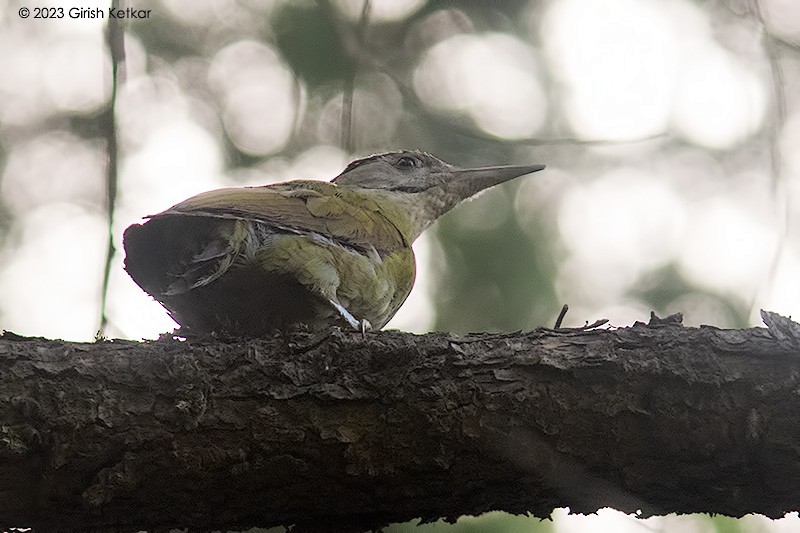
[[413, 213]]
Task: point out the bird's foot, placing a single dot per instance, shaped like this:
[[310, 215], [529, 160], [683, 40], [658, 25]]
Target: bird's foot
[[365, 326], [362, 325]]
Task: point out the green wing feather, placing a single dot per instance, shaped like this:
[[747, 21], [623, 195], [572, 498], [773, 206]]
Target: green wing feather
[[342, 214], [196, 241]]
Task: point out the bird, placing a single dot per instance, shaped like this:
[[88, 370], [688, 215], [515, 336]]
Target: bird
[[247, 261]]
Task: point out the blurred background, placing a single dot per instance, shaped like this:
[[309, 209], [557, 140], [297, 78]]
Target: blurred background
[[670, 129]]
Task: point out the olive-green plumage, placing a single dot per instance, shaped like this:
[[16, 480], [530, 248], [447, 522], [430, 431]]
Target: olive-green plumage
[[243, 261]]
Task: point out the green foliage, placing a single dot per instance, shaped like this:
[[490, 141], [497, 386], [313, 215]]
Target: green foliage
[[495, 280], [308, 41]]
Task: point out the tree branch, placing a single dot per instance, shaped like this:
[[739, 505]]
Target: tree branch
[[340, 431]]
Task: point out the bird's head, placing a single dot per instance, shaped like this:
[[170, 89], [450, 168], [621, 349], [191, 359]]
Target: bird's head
[[404, 171], [412, 171], [426, 186]]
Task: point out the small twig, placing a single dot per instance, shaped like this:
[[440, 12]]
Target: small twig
[[561, 316], [596, 324], [585, 327], [347, 141], [115, 40], [348, 104]]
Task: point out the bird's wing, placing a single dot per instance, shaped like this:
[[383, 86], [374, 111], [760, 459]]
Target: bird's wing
[[344, 215], [196, 241]]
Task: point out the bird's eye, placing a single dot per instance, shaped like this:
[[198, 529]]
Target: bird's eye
[[407, 162]]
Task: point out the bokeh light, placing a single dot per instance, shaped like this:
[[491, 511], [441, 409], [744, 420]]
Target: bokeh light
[[492, 78], [618, 62], [782, 18], [632, 69], [52, 267], [71, 74], [377, 108], [718, 101], [638, 229], [178, 160], [53, 167], [726, 250], [380, 10], [260, 98]]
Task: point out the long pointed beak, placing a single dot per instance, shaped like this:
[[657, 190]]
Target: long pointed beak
[[499, 174], [467, 182]]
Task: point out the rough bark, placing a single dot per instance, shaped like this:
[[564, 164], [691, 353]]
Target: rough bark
[[342, 431]]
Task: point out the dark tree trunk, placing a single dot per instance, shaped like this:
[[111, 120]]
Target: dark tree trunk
[[337, 430]]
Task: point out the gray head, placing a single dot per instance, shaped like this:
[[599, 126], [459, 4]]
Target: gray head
[[425, 185], [412, 171]]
